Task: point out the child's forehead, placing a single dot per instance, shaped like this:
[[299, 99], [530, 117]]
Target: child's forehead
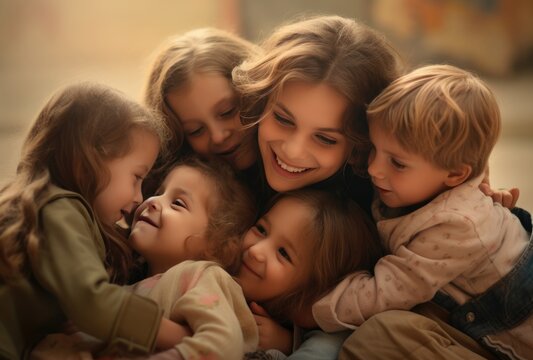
[[292, 212], [183, 173], [187, 176]]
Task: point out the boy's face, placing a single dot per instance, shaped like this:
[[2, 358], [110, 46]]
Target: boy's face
[[170, 227], [123, 192], [401, 177], [301, 139], [208, 109], [276, 257]]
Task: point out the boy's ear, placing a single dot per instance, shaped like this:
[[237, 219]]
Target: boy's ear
[[458, 176]]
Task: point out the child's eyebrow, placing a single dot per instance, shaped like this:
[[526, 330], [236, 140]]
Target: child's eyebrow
[[182, 192]]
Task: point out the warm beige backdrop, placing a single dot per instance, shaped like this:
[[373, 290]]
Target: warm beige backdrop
[[45, 44]]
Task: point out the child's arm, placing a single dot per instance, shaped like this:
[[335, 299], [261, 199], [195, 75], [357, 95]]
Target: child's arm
[[170, 334], [70, 266], [271, 334], [205, 297], [420, 266]]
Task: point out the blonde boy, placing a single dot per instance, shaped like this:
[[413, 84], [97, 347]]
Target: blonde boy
[[432, 131]]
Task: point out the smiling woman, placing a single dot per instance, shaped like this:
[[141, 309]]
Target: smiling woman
[[306, 95], [301, 138]]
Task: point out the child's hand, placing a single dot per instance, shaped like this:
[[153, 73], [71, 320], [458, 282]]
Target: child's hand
[[507, 198], [271, 334]]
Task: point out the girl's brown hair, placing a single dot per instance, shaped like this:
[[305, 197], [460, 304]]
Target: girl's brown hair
[[77, 131], [231, 213], [341, 238], [206, 50], [352, 58]]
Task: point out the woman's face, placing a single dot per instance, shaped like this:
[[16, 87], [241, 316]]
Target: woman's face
[[301, 137], [208, 110]]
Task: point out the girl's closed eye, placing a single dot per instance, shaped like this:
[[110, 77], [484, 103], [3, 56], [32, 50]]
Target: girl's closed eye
[[195, 132], [228, 113], [179, 203], [282, 120], [138, 178]]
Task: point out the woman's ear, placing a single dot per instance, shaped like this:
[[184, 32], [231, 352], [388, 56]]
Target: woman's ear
[[458, 176]]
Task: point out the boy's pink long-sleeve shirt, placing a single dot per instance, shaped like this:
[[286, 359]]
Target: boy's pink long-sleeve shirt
[[460, 243]]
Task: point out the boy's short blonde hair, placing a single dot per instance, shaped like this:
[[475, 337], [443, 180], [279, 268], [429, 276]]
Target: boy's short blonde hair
[[443, 113]]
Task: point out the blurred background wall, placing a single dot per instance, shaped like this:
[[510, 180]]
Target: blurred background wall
[[46, 44]]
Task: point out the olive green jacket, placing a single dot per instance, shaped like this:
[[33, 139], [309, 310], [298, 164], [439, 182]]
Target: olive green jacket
[[69, 281]]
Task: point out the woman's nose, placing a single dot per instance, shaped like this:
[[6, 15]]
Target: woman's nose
[[294, 148]]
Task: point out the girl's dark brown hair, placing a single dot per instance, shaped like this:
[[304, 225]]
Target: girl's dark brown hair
[[78, 130], [342, 239]]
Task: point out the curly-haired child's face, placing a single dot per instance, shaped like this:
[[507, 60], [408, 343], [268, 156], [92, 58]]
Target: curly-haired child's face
[[301, 139], [208, 110], [276, 257], [170, 227]]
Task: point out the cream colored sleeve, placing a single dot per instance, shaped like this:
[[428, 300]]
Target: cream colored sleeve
[[204, 296]]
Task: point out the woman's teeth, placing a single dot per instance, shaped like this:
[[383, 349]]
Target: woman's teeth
[[288, 167]]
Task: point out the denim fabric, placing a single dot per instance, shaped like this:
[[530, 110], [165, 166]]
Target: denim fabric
[[524, 216], [503, 306], [318, 344]]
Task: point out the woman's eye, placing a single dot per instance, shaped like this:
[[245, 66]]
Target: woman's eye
[[229, 113], [284, 253], [195, 132], [398, 165], [281, 120], [326, 140], [180, 203]]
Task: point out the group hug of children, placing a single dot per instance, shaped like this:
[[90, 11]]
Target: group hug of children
[[303, 198]]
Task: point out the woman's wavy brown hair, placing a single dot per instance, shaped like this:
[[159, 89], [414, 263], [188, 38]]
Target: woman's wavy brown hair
[[349, 56]]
